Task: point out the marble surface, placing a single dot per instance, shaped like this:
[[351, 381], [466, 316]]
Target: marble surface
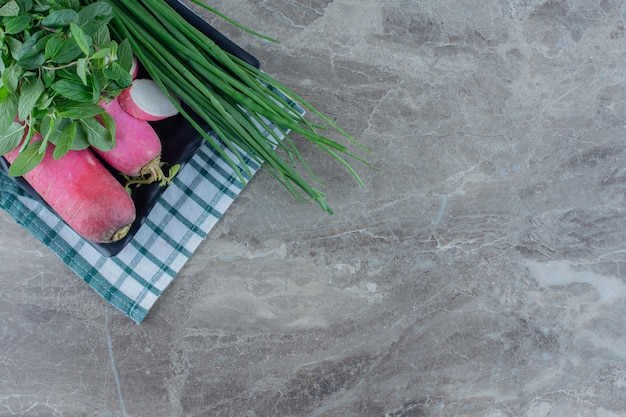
[[480, 271]]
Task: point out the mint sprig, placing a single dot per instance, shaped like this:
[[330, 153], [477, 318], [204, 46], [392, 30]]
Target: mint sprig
[[58, 61]]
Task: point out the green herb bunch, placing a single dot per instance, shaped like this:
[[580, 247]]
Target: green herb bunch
[[58, 61]]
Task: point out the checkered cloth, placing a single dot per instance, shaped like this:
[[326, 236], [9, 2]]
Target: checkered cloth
[[133, 280]]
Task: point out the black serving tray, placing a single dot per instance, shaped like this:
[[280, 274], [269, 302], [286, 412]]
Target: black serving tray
[[179, 139]]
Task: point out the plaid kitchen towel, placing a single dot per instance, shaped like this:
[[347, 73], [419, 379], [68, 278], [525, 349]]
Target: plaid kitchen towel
[[134, 279]]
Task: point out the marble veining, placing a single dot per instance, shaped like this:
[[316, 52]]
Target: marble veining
[[478, 272]]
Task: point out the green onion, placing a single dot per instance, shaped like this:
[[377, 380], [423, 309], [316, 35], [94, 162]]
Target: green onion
[[239, 102]]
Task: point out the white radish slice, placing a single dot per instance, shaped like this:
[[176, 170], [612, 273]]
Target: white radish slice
[[146, 101], [134, 68]]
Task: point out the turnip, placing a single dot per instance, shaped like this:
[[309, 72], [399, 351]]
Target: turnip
[[137, 151], [83, 193], [146, 101]]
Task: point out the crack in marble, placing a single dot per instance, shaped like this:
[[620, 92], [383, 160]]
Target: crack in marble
[[116, 377]]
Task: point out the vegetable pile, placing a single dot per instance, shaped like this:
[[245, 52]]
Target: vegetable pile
[[68, 90]]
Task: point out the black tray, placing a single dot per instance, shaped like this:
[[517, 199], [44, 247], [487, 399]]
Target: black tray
[[179, 139]]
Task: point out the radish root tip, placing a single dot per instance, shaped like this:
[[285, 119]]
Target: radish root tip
[[152, 172]]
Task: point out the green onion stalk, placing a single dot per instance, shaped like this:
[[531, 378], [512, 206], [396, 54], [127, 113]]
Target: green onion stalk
[[246, 108]]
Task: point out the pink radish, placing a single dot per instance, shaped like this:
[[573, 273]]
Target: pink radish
[[146, 101], [137, 151], [83, 193]]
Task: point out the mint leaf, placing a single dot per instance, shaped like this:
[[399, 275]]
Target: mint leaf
[[45, 101], [32, 61], [11, 8], [80, 141], [28, 55], [29, 94], [78, 110], [11, 137], [26, 5], [78, 136], [47, 76], [52, 47], [109, 123], [67, 52], [83, 41], [125, 55], [101, 36], [115, 72], [46, 127], [81, 70], [11, 77], [28, 44], [94, 10], [73, 90], [100, 54], [96, 91], [8, 111], [14, 45], [31, 54], [65, 140], [17, 24], [97, 11], [26, 160], [60, 18], [97, 135], [94, 15]]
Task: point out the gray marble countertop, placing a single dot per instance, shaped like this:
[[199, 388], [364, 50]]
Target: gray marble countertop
[[478, 272]]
